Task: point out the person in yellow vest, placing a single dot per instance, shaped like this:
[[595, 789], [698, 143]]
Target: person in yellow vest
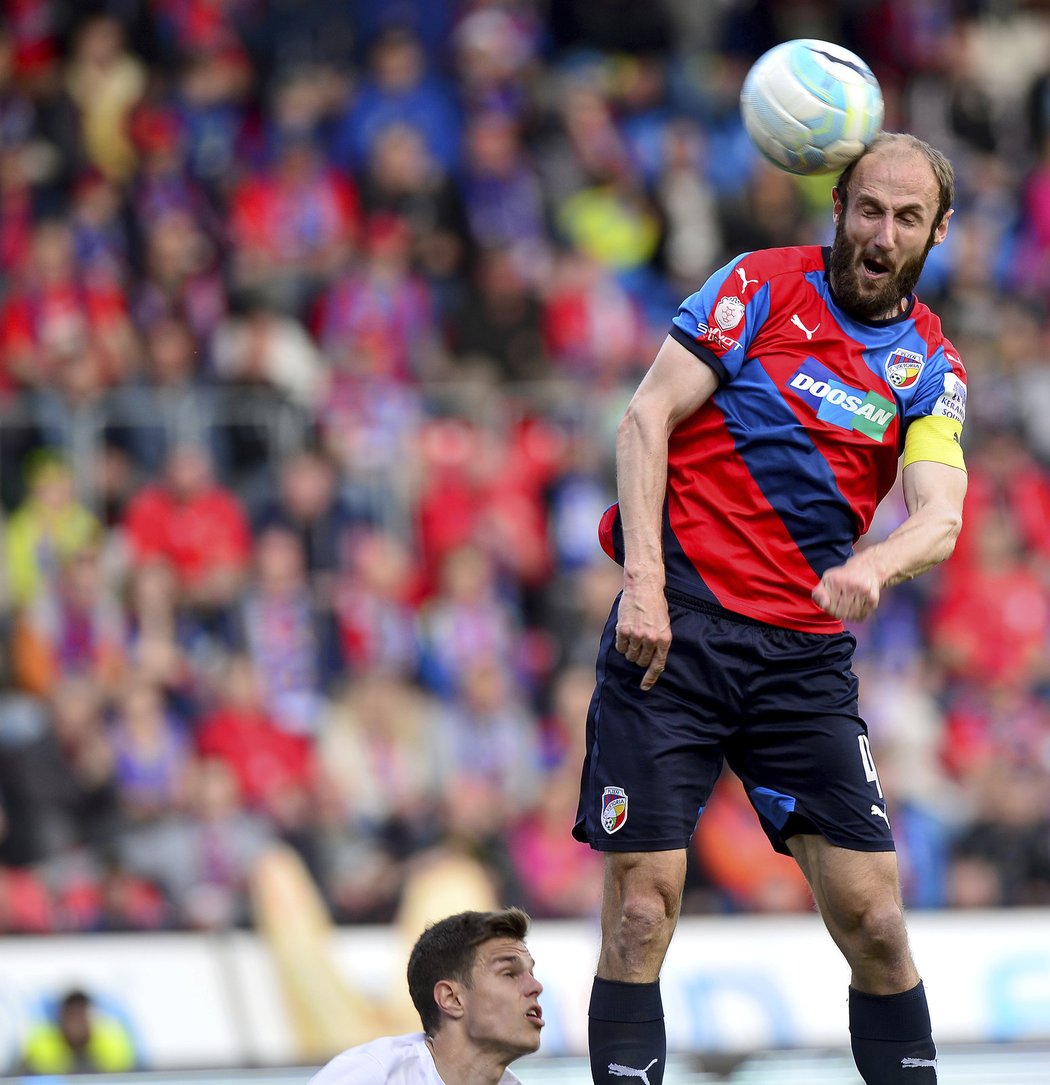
[[79, 1040]]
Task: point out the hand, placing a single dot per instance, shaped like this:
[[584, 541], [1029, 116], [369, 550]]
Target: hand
[[849, 592], [643, 631]]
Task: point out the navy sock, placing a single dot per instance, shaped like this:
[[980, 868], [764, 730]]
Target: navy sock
[[892, 1039], [626, 1032]]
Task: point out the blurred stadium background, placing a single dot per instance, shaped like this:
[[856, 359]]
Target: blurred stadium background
[[316, 321]]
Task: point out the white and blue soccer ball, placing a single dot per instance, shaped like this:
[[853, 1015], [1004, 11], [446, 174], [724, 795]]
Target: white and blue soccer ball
[[811, 106]]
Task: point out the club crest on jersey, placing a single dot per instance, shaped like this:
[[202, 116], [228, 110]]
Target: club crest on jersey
[[728, 313], [903, 368], [841, 405], [614, 809]]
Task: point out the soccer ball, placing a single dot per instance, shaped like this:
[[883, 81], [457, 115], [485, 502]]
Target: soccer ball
[[811, 106]]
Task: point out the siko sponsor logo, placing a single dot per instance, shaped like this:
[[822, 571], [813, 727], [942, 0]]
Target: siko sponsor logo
[[840, 404], [711, 334]]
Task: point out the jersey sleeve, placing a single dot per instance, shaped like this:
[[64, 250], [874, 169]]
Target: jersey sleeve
[[717, 322], [939, 405]]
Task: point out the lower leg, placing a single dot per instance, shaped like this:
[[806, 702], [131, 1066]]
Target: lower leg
[[859, 899], [891, 1037], [640, 903]]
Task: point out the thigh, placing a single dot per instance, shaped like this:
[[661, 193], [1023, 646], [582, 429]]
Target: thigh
[[859, 897], [653, 757], [803, 752], [844, 882]]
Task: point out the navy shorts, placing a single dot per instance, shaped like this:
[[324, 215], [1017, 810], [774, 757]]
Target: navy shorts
[[779, 706]]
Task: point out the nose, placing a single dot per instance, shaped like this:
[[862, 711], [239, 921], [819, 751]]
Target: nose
[[534, 986], [886, 235]]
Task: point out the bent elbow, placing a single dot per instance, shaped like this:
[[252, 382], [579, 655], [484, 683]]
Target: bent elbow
[[953, 528]]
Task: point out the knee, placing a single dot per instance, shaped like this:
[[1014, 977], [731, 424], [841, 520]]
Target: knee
[[648, 914], [876, 929]]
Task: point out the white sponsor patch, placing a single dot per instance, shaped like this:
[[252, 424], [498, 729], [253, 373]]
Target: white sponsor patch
[[951, 403]]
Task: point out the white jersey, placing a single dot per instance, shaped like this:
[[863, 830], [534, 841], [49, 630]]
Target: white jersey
[[391, 1060]]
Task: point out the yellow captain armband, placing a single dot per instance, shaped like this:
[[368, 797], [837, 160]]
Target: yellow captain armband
[[934, 437]]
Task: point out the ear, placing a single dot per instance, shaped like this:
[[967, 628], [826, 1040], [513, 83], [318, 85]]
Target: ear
[[837, 205], [941, 232], [448, 998]]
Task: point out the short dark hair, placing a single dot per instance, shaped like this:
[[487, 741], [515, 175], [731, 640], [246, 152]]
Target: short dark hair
[[447, 950], [943, 173]]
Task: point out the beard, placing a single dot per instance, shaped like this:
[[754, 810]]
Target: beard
[[886, 298]]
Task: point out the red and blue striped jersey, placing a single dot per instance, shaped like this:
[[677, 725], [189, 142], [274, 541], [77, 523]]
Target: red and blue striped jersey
[[777, 475]]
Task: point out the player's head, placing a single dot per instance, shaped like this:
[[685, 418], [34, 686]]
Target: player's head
[[892, 205], [474, 968]]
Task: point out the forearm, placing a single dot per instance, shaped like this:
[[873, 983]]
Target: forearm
[[924, 540], [641, 472]]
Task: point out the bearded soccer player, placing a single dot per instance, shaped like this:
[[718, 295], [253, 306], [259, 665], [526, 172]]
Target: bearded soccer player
[[749, 462]]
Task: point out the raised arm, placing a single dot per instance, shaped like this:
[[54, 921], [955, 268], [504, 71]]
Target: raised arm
[[934, 495], [676, 386]]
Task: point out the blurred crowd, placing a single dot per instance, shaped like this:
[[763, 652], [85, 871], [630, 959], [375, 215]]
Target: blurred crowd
[[316, 321]]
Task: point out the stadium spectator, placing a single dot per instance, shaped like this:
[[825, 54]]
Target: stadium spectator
[[502, 191], [289, 635], [168, 404], [380, 777], [554, 881], [78, 1037], [493, 327], [292, 225], [58, 777], [45, 529], [189, 519], [376, 606], [201, 855], [181, 276], [274, 769], [75, 628], [152, 751], [403, 180], [377, 322], [489, 734], [105, 81], [397, 87], [54, 313], [309, 501], [997, 631]]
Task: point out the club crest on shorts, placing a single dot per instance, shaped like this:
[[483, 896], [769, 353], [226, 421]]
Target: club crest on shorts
[[614, 809]]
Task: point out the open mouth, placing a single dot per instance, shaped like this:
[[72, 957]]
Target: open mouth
[[873, 269], [536, 1015]]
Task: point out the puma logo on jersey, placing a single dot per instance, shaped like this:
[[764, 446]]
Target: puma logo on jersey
[[629, 1071], [878, 812], [744, 280], [802, 327]]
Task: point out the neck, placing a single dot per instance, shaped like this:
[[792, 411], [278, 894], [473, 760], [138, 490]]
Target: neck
[[896, 310], [460, 1063]]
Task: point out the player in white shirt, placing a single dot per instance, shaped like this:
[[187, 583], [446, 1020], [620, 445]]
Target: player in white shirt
[[471, 979]]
